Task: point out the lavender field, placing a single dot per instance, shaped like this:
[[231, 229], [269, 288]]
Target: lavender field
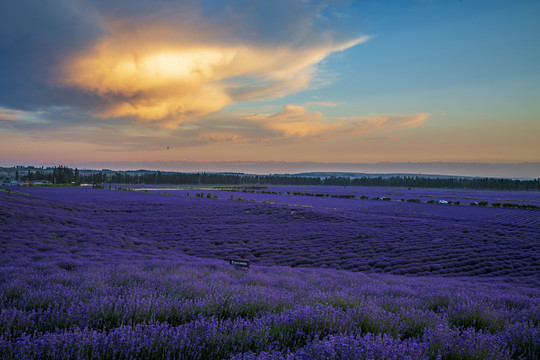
[[97, 273]]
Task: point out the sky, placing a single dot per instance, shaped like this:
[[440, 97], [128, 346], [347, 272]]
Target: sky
[[97, 81]]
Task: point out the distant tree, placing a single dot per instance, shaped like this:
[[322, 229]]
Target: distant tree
[[77, 178]]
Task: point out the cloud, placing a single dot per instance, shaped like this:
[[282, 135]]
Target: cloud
[[11, 115], [298, 122], [381, 122], [159, 63], [138, 75], [291, 125], [322, 103], [19, 119]]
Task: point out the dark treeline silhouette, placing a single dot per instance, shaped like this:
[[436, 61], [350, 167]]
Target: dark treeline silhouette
[[211, 179], [448, 183], [59, 175], [65, 175]]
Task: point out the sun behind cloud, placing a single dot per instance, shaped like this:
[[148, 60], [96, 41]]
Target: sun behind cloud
[[166, 83]]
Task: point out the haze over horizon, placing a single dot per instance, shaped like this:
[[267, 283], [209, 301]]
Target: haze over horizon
[[491, 170], [290, 82]]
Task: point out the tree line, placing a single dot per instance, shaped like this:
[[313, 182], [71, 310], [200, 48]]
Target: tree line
[[65, 175]]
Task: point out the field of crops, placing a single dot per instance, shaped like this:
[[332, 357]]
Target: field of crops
[[92, 273], [351, 234]]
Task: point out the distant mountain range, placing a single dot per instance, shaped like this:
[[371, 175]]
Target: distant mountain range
[[386, 175], [527, 170]]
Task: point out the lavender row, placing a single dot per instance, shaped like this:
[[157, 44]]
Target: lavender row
[[108, 274], [208, 339], [206, 309], [118, 225], [396, 193], [338, 198]]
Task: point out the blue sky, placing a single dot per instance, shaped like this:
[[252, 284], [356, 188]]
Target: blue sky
[[438, 54], [330, 81]]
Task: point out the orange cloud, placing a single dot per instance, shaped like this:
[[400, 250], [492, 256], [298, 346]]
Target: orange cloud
[[298, 122], [13, 115], [378, 122], [166, 82]]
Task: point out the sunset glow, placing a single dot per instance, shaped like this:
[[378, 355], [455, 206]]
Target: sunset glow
[[283, 81], [166, 84]]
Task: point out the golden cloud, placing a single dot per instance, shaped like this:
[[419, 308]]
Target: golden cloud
[[378, 122], [298, 122], [166, 82]]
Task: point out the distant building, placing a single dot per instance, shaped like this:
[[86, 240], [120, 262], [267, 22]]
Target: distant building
[[8, 182], [39, 182]]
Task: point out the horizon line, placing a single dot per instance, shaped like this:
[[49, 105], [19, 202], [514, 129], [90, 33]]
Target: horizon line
[[523, 170]]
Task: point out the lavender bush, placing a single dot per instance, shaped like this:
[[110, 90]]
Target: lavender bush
[[207, 309], [99, 274], [397, 238]]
